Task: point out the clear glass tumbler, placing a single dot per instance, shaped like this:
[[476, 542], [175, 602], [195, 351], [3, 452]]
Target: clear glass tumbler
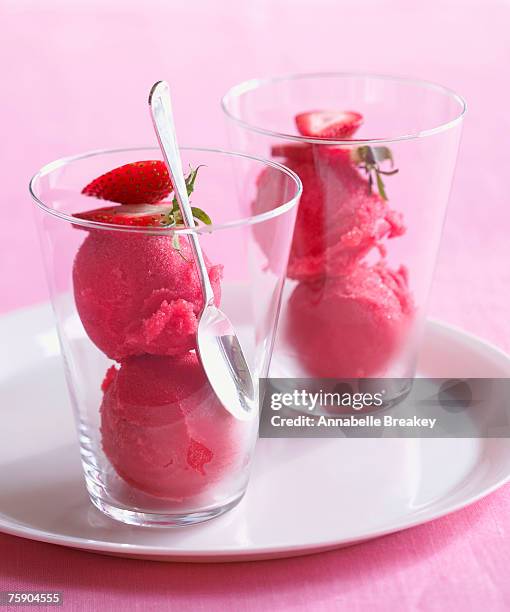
[[156, 445], [376, 156]]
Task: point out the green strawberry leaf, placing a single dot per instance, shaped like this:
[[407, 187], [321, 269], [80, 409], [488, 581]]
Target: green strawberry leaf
[[198, 213], [201, 215], [191, 178], [380, 186]]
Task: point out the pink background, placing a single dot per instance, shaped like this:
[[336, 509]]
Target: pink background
[[74, 76]]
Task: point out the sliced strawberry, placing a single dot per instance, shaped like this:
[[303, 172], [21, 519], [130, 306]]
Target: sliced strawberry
[[148, 215], [141, 213], [142, 182], [328, 124], [297, 151], [166, 214]]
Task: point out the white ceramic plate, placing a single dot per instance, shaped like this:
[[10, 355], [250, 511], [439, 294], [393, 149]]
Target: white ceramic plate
[[305, 495]]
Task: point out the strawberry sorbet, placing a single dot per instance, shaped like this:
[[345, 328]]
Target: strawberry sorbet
[[346, 318], [339, 220], [137, 294], [163, 429], [350, 326]]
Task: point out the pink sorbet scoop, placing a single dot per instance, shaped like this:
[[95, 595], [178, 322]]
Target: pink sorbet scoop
[[137, 294], [163, 429], [350, 326]]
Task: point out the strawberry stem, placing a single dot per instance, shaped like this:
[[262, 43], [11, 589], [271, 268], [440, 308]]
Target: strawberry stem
[[198, 213], [368, 159]]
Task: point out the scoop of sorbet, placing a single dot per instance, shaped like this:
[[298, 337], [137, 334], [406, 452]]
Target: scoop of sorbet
[[350, 326], [137, 294], [339, 219], [163, 429]]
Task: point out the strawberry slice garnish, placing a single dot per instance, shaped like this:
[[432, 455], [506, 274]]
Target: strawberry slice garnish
[[160, 214], [328, 124], [142, 215], [142, 182], [165, 214]]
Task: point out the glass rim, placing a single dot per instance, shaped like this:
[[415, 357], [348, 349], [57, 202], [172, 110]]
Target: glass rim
[[202, 229], [253, 84]]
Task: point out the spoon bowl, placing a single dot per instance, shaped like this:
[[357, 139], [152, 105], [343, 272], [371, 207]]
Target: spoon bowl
[[224, 362]]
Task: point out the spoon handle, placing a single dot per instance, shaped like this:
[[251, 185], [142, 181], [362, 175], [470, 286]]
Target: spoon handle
[[162, 118]]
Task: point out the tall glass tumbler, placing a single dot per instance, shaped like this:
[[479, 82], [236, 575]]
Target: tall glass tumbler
[[157, 447], [376, 156]]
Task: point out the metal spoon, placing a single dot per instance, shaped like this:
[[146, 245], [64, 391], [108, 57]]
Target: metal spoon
[[219, 349]]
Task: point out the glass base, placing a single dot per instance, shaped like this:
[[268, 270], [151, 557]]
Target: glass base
[[117, 499], [161, 519]]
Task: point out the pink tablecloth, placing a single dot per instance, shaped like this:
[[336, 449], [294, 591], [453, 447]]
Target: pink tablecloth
[[73, 77]]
